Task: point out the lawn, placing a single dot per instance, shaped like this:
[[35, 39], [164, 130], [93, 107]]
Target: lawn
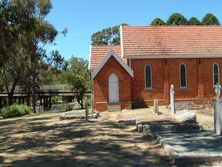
[[43, 140]]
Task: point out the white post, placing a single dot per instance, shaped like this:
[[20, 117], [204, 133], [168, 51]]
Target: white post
[[156, 108], [172, 100], [218, 112]]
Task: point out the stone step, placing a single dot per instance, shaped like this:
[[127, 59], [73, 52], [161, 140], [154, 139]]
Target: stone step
[[114, 107], [160, 126]]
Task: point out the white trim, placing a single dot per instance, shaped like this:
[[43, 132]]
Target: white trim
[[90, 51], [121, 41], [121, 62], [173, 56], [130, 62], [218, 68], [150, 76], [183, 87]]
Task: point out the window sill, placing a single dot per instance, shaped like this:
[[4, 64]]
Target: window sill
[[185, 88], [148, 89]]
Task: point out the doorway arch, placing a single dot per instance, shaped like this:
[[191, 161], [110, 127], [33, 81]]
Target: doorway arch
[[113, 89]]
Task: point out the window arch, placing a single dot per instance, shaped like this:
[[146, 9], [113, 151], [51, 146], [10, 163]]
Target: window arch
[[148, 76], [216, 74], [183, 76]]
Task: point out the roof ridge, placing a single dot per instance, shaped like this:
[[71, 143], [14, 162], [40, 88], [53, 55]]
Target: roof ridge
[[104, 45], [176, 26]]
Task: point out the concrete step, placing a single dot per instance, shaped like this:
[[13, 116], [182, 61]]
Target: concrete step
[[167, 126], [114, 107]]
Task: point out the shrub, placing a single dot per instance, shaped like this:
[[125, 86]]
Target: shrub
[[15, 110], [89, 101], [55, 99], [69, 107]]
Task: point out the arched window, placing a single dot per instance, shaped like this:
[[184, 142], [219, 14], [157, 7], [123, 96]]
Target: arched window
[[148, 76], [216, 74], [183, 76]]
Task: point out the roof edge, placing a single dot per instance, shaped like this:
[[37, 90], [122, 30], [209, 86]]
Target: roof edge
[[120, 61], [155, 56], [90, 52], [121, 41]]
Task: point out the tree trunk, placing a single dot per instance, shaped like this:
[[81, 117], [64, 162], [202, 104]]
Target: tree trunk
[[10, 99], [33, 70], [33, 88], [79, 98], [12, 90]]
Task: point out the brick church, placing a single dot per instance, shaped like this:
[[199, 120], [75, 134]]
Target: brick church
[[151, 58]]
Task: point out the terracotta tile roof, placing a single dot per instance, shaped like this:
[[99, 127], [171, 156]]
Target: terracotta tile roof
[[99, 52], [171, 40]]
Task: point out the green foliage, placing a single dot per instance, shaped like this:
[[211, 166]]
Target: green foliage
[[177, 19], [78, 77], [69, 107], [210, 19], [1, 86], [24, 33], [15, 110], [194, 21], [158, 21], [107, 36], [55, 99], [89, 102]]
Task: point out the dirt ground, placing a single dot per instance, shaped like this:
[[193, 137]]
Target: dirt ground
[[43, 140]]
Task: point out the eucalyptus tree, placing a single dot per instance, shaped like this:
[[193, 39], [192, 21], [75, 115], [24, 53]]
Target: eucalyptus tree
[[107, 36], [23, 21]]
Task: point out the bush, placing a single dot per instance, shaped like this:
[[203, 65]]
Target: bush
[[69, 107], [15, 110], [89, 101], [55, 100]]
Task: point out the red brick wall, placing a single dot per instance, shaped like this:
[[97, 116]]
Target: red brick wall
[[139, 93], [208, 75], [164, 73], [174, 77], [199, 79], [101, 96]]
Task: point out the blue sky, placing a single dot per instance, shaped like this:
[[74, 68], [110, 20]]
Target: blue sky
[[84, 17]]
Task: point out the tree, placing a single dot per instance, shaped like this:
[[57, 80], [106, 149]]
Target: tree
[[158, 21], [107, 36], [12, 72], [10, 28], [177, 19], [78, 78], [13, 41], [39, 32], [24, 25], [194, 21], [210, 19]]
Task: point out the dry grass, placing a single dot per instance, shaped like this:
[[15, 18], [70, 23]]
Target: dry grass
[[43, 140]]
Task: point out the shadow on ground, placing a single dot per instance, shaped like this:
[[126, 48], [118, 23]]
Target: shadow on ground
[[46, 141]]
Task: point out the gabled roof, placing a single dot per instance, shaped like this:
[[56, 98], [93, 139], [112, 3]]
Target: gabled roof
[[173, 41], [108, 56], [99, 52]]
